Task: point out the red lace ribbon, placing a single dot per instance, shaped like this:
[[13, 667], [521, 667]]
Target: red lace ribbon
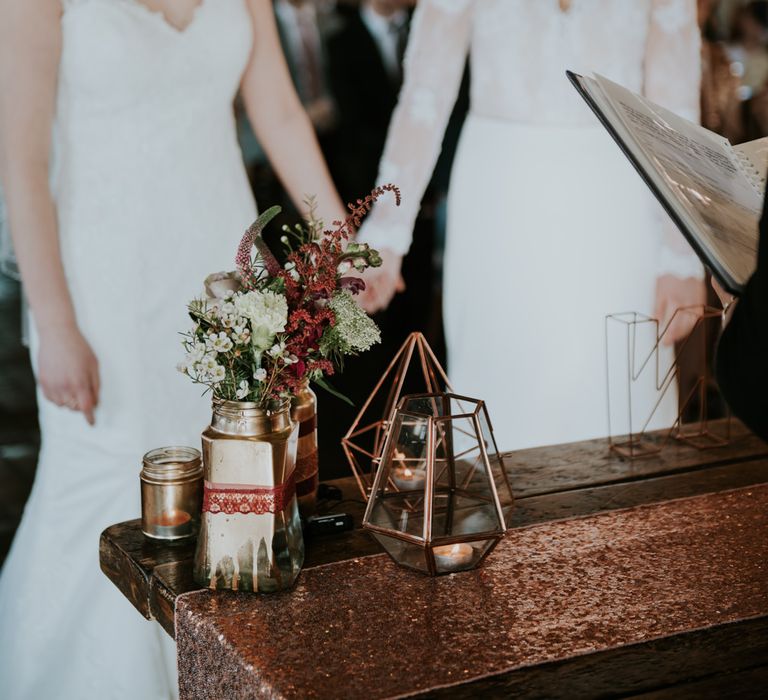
[[241, 498]]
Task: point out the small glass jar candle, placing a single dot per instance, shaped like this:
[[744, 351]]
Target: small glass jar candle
[[171, 492]]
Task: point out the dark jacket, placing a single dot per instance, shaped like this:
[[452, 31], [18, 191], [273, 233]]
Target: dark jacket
[[741, 364]]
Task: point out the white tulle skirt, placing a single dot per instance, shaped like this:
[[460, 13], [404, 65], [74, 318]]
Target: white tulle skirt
[[550, 230]]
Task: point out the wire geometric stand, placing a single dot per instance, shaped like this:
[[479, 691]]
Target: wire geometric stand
[[628, 423], [364, 441]]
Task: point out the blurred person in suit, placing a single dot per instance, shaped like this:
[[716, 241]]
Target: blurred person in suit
[[365, 73]]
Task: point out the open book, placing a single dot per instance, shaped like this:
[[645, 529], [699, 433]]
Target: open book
[[712, 190]]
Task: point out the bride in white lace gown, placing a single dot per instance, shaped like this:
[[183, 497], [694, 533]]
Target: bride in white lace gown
[[549, 229], [147, 195]]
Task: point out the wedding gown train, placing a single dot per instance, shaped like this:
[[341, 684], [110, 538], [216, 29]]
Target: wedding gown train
[[151, 196]]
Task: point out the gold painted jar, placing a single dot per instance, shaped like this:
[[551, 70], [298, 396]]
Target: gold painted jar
[[171, 492], [250, 535], [304, 412]]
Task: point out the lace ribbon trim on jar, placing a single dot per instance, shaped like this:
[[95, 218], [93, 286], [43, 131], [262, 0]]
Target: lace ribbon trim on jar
[[241, 498]]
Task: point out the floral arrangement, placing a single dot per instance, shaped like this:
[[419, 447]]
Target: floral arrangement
[[266, 327]]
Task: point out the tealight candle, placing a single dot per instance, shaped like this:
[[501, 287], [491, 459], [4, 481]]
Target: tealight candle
[[407, 479], [172, 524], [171, 492], [451, 557]]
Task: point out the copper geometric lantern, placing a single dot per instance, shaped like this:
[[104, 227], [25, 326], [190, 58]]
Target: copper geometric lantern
[[441, 495], [363, 443]]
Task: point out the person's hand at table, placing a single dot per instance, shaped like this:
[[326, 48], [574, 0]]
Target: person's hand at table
[[673, 293], [382, 283]]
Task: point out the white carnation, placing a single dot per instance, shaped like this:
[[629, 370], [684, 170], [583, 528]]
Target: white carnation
[[267, 313]]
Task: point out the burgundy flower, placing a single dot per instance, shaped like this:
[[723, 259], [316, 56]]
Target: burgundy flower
[[354, 285]]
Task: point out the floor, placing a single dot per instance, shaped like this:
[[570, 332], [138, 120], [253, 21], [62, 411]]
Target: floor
[[19, 437]]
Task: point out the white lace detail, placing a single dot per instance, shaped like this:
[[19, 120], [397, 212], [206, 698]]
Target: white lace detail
[[519, 51]]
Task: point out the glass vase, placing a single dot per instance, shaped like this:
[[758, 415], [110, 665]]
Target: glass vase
[[250, 534], [304, 412]]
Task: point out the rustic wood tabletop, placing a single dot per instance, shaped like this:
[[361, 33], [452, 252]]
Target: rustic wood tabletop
[[702, 657]]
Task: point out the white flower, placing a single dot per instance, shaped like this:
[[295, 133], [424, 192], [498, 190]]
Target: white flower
[[218, 374], [206, 366], [229, 321], [183, 367], [196, 352], [228, 308], [277, 349], [219, 343], [242, 336], [344, 267], [267, 313], [290, 359], [242, 389], [354, 331], [260, 374]]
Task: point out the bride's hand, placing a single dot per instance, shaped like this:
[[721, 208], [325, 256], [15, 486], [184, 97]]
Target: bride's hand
[[674, 293], [68, 370], [382, 283]]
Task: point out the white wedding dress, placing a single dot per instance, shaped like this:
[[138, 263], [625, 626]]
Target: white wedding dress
[[549, 228], [151, 196]]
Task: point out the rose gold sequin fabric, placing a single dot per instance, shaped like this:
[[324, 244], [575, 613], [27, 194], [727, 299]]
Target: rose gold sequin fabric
[[367, 628]]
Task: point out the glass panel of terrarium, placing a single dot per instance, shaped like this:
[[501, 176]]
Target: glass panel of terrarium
[[496, 461], [428, 405], [405, 553], [398, 503]]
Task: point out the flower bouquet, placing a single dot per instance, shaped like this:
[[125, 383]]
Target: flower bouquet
[[260, 334], [265, 328]]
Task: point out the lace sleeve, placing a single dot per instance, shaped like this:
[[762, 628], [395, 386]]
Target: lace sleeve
[[433, 66], [673, 80]]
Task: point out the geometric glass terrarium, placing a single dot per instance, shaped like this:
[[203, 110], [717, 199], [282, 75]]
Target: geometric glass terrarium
[[441, 496]]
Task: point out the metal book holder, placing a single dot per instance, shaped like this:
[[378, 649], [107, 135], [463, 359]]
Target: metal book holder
[[634, 370]]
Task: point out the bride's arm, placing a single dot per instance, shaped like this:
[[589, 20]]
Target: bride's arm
[[30, 45], [433, 67], [280, 122], [672, 79]]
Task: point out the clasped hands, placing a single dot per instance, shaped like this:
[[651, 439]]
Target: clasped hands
[[382, 283]]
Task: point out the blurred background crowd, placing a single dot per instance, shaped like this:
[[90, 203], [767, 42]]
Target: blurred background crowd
[[345, 57]]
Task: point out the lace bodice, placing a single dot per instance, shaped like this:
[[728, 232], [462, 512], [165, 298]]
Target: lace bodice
[[519, 51]]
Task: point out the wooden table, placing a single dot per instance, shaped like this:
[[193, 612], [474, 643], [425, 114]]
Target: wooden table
[[717, 659]]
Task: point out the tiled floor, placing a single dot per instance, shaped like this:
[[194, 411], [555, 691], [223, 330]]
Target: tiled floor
[[18, 422]]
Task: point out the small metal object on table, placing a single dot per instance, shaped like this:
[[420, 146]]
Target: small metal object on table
[[703, 635]]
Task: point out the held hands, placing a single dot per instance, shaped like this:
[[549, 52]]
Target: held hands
[[673, 293], [68, 370], [382, 283]]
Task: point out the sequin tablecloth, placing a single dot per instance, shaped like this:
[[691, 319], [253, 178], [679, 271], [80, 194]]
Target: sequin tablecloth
[[369, 629]]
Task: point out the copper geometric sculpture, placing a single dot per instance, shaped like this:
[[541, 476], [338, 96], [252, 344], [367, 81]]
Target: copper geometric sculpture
[[364, 440], [441, 496]]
